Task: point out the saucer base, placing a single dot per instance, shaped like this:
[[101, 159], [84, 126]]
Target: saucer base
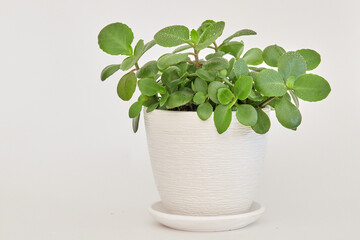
[[206, 223]]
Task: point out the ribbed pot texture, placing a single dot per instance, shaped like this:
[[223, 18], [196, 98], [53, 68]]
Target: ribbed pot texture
[[199, 172]]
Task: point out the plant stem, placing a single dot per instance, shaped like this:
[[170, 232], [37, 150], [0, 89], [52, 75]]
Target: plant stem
[[137, 66], [196, 54], [215, 47], [227, 82], [233, 102], [263, 104]]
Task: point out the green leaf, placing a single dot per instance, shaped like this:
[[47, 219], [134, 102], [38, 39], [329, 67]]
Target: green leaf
[[149, 45], [173, 84], [194, 36], [148, 86], [253, 74], [246, 114], [205, 25], [287, 114], [191, 69], [291, 64], [147, 100], [204, 111], [172, 36], [255, 96], [116, 39], [212, 90], [222, 118], [109, 70], [200, 85], [311, 57], [183, 66], [273, 101], [164, 98], [224, 95], [135, 109], [271, 55], [270, 83], [179, 98], [243, 32], [222, 74], [182, 48], [311, 87], [253, 56], [231, 66], [170, 74], [210, 34], [216, 64], [130, 61], [205, 75], [240, 68], [213, 55], [263, 124], [152, 107], [139, 48], [127, 86], [142, 98], [257, 69], [171, 59], [242, 87], [233, 48], [199, 98], [162, 90], [135, 123], [149, 69], [290, 82]]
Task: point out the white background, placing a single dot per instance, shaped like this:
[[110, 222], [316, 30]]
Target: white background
[[71, 168]]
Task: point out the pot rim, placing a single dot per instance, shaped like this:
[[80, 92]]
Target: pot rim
[[267, 109]]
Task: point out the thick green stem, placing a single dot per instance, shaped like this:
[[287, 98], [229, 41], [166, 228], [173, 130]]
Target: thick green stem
[[267, 101], [233, 102], [228, 82], [137, 66], [196, 55], [216, 47]]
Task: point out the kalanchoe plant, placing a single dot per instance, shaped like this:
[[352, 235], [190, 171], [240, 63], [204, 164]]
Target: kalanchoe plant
[[225, 81]]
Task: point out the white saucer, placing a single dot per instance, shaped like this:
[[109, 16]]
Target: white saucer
[[205, 223]]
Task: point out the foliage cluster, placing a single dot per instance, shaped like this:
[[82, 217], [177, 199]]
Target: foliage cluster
[[224, 81]]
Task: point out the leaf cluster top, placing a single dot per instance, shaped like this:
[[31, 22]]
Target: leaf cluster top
[[217, 84]]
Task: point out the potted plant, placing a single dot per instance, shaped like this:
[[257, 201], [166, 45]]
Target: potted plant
[[206, 115]]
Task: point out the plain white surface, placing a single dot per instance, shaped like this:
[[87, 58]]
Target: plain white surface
[[70, 167]]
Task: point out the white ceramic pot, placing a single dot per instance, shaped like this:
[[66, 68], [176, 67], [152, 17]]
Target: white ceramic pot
[[199, 172]]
